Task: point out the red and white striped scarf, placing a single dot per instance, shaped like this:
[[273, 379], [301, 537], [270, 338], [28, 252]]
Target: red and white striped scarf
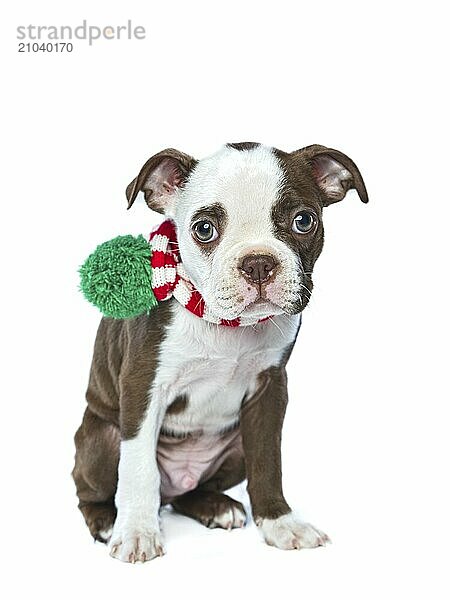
[[170, 279]]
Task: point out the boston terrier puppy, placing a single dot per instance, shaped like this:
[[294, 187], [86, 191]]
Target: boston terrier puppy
[[188, 400]]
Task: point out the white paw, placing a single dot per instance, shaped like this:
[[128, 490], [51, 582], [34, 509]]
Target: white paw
[[231, 518], [289, 532], [135, 544]]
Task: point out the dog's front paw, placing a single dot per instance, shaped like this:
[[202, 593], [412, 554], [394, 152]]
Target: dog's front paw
[[135, 544], [289, 532]]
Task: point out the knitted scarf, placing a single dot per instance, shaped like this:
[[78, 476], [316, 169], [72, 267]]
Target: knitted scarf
[[170, 279]]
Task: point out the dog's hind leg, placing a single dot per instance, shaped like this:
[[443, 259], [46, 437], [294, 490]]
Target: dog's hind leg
[[208, 505], [95, 473]]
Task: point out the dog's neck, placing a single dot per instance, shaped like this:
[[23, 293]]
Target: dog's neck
[[169, 278]]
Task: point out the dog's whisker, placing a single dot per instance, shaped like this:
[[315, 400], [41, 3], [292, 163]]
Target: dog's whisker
[[307, 289], [277, 326], [242, 333]]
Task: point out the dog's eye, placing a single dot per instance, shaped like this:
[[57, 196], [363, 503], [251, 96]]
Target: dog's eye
[[303, 222], [205, 231]]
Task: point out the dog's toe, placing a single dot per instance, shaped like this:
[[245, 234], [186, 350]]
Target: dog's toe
[[232, 517]]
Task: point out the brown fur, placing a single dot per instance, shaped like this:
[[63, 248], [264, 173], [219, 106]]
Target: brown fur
[[242, 146], [95, 472], [299, 168], [183, 164], [262, 418], [123, 367]]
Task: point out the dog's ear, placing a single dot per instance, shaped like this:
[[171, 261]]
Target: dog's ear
[[160, 176], [334, 172]]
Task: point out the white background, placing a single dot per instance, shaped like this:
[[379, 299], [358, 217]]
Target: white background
[[365, 444]]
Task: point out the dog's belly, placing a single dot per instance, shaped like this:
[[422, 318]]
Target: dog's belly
[[185, 463]]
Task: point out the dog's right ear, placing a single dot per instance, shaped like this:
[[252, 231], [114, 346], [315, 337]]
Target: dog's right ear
[[159, 178], [334, 172]]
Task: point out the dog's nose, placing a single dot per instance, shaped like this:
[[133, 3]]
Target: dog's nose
[[258, 267]]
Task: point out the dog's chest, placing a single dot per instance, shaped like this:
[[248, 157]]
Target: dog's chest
[[213, 368]]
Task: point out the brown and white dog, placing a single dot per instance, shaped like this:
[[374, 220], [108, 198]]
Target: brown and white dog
[[181, 409]]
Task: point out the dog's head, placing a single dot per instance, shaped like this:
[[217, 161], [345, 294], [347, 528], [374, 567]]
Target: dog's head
[[249, 220]]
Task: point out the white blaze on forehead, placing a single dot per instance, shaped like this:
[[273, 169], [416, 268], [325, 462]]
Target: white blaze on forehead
[[246, 182]]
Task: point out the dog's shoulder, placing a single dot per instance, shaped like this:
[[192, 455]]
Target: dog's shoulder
[[123, 348], [137, 341]]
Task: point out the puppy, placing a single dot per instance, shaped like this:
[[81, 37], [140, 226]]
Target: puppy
[[183, 406]]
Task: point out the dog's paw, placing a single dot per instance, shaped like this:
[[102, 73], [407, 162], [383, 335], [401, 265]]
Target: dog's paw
[[289, 532], [232, 517], [135, 544], [99, 518], [212, 509]]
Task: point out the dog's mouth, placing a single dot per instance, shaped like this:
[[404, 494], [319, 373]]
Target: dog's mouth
[[262, 308], [281, 296]]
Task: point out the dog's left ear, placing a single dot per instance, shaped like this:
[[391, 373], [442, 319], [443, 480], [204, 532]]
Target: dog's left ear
[[159, 178], [334, 172]]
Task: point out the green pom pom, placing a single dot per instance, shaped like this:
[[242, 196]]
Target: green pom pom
[[117, 277]]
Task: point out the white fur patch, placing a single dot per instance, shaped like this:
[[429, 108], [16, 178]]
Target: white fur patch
[[232, 518], [105, 534], [289, 532], [215, 367]]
